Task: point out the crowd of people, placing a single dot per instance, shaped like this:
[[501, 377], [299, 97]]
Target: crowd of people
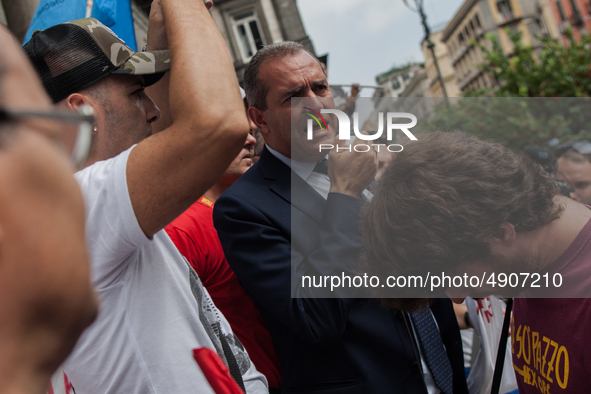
[[169, 239]]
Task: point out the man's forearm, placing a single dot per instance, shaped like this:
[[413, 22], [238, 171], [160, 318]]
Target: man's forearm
[[203, 82], [204, 123]]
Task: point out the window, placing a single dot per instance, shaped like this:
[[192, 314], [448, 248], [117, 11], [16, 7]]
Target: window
[[576, 13], [505, 10], [560, 10], [477, 19], [575, 7], [248, 36]]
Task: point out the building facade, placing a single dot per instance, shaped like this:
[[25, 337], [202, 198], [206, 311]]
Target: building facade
[[445, 66], [417, 96], [394, 83], [246, 25], [575, 14], [475, 18]]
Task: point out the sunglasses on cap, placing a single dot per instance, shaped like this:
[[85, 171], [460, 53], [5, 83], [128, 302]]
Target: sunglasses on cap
[[583, 147]]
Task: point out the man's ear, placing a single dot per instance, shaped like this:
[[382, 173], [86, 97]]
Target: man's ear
[[258, 117], [505, 239], [76, 100]]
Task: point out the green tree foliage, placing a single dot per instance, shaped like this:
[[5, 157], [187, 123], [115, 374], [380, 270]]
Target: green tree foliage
[[542, 95], [555, 70], [515, 122]]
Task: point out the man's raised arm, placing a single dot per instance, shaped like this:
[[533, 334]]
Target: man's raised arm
[[168, 171]]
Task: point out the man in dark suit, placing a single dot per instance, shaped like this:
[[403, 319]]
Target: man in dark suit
[[284, 219]]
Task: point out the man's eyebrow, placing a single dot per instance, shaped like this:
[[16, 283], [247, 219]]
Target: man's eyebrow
[[138, 82], [320, 82], [323, 82], [292, 91]]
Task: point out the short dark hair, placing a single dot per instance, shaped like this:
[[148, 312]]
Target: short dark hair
[[256, 90], [444, 198]]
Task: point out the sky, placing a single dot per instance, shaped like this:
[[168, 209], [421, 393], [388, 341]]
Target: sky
[[365, 38]]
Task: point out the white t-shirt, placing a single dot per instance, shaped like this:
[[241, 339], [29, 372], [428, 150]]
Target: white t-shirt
[[154, 310]]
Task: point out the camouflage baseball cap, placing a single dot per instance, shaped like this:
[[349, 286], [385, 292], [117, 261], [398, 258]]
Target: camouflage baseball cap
[[74, 55]]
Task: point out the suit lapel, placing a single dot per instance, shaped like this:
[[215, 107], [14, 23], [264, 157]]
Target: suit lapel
[[290, 187], [306, 199]]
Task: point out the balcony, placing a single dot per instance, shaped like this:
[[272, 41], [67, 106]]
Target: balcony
[[575, 19], [472, 74], [457, 55], [506, 18]]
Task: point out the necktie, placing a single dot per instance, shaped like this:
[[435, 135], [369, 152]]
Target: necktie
[[318, 179], [322, 166], [433, 350]]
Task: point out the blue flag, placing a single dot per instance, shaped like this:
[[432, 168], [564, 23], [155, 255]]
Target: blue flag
[[115, 14]]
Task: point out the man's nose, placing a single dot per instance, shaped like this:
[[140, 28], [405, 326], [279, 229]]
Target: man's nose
[[250, 141], [311, 100], [152, 111]]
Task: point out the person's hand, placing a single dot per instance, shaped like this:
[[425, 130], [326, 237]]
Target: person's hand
[[349, 106], [157, 39], [349, 171]]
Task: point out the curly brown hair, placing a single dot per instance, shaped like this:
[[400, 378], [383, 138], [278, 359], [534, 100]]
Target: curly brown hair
[[442, 200]]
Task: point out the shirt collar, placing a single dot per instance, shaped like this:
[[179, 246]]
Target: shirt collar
[[302, 169]]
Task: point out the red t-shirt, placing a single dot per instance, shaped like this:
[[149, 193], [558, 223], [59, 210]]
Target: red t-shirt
[[195, 237], [551, 337]]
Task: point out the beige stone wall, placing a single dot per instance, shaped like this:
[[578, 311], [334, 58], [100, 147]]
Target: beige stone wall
[[545, 15], [447, 70], [465, 57]]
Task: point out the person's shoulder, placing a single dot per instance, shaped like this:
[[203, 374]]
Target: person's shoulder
[[250, 191], [251, 180], [254, 188], [98, 172]]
